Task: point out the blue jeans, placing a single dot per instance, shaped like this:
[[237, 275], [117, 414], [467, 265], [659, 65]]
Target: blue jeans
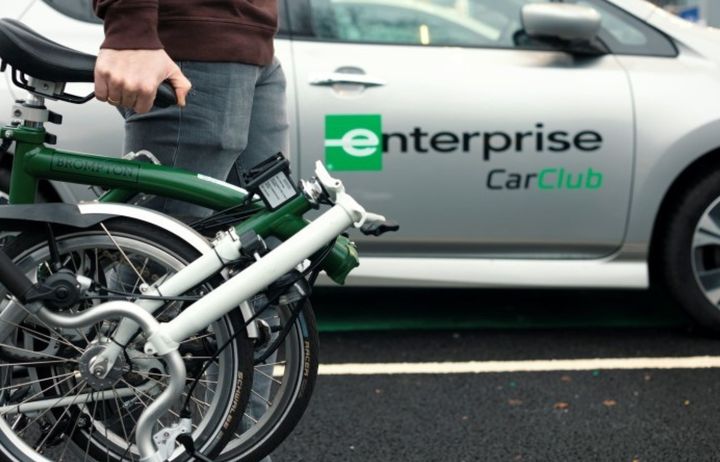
[[234, 119]]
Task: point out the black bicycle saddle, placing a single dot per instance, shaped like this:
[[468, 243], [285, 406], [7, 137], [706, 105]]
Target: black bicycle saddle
[[36, 56], [31, 54]]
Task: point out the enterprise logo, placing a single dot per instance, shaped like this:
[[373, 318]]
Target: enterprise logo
[[352, 142], [357, 142]]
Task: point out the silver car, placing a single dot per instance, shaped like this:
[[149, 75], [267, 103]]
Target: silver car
[[520, 143]]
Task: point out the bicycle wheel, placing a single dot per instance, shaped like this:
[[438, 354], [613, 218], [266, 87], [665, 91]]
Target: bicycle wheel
[[40, 364], [282, 385]]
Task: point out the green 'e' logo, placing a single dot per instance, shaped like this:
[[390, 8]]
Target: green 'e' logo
[[353, 142]]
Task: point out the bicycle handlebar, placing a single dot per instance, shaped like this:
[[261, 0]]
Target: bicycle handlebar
[[165, 96], [369, 223], [378, 227]]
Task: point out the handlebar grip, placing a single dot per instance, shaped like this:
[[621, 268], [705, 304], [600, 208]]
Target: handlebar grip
[[378, 228], [165, 95]]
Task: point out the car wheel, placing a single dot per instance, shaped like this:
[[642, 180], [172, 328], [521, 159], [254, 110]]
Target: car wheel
[[690, 251]]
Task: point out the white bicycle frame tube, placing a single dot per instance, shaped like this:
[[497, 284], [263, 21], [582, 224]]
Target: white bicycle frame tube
[[204, 267], [252, 280], [259, 275], [225, 248], [95, 396]]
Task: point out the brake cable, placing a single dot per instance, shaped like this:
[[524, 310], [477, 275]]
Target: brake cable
[[311, 270]]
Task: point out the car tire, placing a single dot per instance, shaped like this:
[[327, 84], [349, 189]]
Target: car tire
[[690, 251]]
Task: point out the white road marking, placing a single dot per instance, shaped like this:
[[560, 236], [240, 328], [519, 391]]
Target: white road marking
[[484, 367]]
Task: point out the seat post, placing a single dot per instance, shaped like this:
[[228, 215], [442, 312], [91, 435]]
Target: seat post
[[35, 113], [29, 117], [32, 112]]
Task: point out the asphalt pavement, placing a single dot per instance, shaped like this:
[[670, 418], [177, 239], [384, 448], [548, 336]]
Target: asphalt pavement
[[601, 392]]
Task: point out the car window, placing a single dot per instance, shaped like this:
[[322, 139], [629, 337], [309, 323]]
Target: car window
[[470, 23], [419, 22], [625, 34], [76, 9]]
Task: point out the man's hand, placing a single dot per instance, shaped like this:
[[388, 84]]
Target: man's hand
[[130, 78]]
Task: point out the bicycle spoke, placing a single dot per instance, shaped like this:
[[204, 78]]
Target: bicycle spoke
[[129, 411], [193, 357], [135, 286], [130, 442], [91, 429], [196, 400], [33, 315], [170, 411], [122, 252], [200, 337], [199, 380], [135, 391], [268, 402], [122, 420], [69, 438], [34, 363], [279, 363], [27, 400], [69, 258], [59, 419], [13, 347], [40, 334], [48, 409], [104, 411], [18, 385], [268, 376], [132, 432], [82, 333]]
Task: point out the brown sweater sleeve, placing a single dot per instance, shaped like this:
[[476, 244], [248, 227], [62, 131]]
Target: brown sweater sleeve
[[129, 24]]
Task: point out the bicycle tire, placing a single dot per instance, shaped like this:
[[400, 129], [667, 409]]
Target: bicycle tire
[[272, 428], [213, 430]]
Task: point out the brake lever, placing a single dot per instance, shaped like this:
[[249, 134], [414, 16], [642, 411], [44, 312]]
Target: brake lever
[[377, 228]]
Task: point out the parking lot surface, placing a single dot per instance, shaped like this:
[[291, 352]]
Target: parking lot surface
[[605, 393]]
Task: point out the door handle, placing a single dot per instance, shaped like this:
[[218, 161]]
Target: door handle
[[341, 77]]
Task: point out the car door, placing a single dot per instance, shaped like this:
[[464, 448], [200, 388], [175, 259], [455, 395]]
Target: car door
[[434, 113]]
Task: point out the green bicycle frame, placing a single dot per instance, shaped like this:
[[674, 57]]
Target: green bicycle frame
[[124, 178]]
